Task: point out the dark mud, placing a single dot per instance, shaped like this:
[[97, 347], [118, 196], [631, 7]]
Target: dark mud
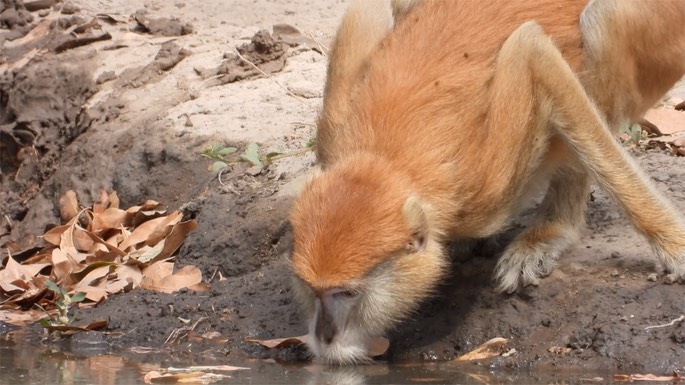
[[591, 313]]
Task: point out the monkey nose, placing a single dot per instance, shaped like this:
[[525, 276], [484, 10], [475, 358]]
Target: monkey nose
[[325, 327]]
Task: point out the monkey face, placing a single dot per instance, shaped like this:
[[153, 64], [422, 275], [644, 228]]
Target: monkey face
[[364, 255], [346, 322]]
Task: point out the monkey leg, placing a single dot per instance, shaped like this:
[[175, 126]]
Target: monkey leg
[[529, 58], [557, 226]]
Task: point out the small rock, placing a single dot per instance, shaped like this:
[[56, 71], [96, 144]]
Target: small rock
[[188, 123], [43, 12], [254, 170], [105, 77], [614, 273], [652, 277], [70, 9], [615, 254]]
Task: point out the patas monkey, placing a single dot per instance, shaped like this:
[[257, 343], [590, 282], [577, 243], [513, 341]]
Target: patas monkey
[[440, 116]]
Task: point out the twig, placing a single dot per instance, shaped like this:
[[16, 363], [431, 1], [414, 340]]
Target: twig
[[213, 274], [219, 176], [673, 322], [9, 221], [272, 79], [323, 48]]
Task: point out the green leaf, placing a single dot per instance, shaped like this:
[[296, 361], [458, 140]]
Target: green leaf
[[252, 154], [53, 287], [272, 155], [78, 297], [227, 150], [44, 322], [218, 166]]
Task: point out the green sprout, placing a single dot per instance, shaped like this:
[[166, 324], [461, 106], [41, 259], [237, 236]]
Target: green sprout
[[65, 304]]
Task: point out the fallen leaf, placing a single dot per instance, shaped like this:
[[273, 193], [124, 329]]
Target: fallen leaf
[[184, 278], [110, 218], [141, 233], [489, 349], [66, 328], [130, 273], [158, 270], [15, 271], [175, 239], [91, 273], [95, 294], [146, 253], [68, 206], [20, 318], [279, 343], [155, 377], [652, 377]]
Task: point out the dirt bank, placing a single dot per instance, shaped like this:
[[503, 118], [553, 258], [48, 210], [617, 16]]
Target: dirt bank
[[133, 112]]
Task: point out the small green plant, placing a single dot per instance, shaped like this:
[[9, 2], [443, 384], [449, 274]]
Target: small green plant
[[217, 153], [251, 155], [635, 134], [65, 304], [311, 142]]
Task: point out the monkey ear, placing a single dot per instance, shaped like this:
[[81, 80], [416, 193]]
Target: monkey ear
[[415, 215]]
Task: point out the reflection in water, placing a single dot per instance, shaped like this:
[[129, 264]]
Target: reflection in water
[[32, 364], [338, 376]]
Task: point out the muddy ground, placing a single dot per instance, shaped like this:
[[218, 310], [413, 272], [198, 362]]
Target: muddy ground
[[132, 109]]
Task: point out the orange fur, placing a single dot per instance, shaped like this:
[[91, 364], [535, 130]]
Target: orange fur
[[464, 107]]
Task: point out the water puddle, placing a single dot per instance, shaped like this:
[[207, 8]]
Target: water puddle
[[24, 362]]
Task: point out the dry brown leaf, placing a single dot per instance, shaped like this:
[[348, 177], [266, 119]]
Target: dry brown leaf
[[63, 266], [82, 240], [66, 328], [175, 239], [111, 247], [184, 278], [668, 120], [142, 233], [20, 318], [68, 206], [54, 235], [14, 271], [652, 377], [130, 274], [158, 270], [107, 201], [279, 343], [110, 218], [376, 347], [155, 377], [91, 273], [163, 229], [66, 243], [95, 294], [146, 253], [489, 349], [117, 286]]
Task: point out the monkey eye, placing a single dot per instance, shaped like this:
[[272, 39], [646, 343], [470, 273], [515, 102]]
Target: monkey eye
[[346, 293]]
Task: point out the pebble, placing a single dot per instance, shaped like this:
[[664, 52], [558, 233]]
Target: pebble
[[254, 170], [652, 277]]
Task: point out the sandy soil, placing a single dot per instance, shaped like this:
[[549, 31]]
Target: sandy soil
[[133, 112]]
